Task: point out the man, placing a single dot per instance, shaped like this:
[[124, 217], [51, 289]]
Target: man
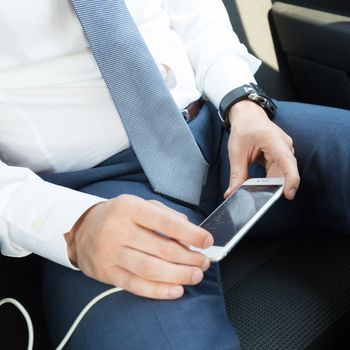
[[62, 120]]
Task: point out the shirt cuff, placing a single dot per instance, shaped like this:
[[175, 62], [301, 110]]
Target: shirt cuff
[[36, 214], [227, 73]]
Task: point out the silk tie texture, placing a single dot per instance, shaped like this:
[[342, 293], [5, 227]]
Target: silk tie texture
[[159, 135]]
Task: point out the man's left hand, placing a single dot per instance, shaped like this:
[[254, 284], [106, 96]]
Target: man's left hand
[[255, 138]]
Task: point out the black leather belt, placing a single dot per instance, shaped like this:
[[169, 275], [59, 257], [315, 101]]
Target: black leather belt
[[192, 110]]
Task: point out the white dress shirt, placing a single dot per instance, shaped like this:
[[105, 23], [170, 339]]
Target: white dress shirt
[[56, 113]]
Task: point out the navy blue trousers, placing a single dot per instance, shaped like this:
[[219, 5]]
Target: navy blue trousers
[[198, 320]]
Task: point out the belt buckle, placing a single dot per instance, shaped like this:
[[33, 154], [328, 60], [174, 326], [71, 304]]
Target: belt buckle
[[186, 114]]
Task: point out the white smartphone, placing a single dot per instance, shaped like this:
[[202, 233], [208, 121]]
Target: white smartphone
[[238, 213]]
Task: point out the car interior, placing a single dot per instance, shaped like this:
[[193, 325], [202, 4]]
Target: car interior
[[287, 291]]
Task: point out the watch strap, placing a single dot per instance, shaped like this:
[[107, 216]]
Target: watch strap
[[251, 92]]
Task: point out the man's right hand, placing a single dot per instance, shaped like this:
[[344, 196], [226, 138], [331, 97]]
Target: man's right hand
[[118, 242]]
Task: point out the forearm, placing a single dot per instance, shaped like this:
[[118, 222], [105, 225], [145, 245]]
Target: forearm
[[221, 63]]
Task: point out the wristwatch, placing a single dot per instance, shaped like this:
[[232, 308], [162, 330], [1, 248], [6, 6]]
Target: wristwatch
[[245, 92]]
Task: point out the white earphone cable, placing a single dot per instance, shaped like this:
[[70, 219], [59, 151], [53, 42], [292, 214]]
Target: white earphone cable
[[72, 328], [25, 315]]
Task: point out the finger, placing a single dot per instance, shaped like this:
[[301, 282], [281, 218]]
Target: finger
[[288, 165], [166, 249], [239, 162], [288, 140], [153, 269], [117, 276], [273, 170], [170, 210], [160, 220]]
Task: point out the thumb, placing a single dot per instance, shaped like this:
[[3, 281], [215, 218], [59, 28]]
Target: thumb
[[238, 170]]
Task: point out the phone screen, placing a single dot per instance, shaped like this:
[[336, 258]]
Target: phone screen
[[226, 221]]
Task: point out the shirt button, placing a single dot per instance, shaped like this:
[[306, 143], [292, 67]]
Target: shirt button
[[37, 223]]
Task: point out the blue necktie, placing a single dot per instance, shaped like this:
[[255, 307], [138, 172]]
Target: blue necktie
[[158, 133]]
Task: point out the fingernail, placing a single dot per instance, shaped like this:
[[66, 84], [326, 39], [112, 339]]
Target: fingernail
[[291, 193], [208, 242], [176, 292], [197, 276], [206, 265]]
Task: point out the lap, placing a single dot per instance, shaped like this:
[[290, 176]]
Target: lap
[[125, 321], [322, 147], [309, 122], [321, 140]]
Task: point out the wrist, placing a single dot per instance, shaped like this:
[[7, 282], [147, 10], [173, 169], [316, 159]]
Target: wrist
[[246, 93], [71, 236], [71, 250], [242, 108]]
